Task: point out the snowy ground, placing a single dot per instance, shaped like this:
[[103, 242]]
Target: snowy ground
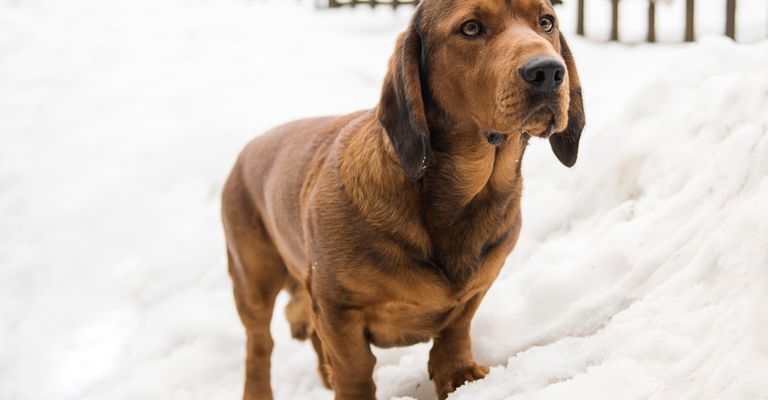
[[642, 273]]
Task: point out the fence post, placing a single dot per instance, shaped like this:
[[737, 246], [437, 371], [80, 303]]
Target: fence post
[[689, 21], [580, 19], [615, 20], [730, 19], [651, 21]]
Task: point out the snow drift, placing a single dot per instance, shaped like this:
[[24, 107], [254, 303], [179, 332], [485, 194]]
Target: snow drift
[[642, 273], [648, 270]]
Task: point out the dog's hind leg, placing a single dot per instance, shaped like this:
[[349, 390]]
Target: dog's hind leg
[[299, 316], [297, 310], [258, 274]]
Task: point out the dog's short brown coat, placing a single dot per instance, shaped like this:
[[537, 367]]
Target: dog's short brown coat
[[389, 225]]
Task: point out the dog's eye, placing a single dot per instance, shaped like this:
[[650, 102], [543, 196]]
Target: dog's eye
[[547, 23], [471, 28]]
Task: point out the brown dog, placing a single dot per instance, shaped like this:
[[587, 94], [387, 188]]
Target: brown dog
[[389, 225]]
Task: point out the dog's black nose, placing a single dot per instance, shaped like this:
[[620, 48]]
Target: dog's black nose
[[545, 74]]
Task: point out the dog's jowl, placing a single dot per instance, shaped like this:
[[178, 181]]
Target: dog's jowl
[[388, 226]]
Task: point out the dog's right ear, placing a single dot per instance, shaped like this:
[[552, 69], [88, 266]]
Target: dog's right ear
[[401, 108], [565, 144]]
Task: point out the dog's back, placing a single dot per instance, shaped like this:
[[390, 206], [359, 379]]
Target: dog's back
[[268, 183], [261, 212]]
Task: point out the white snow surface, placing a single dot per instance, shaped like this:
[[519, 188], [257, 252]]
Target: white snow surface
[[641, 273]]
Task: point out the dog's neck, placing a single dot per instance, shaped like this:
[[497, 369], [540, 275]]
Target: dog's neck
[[471, 189], [448, 218]]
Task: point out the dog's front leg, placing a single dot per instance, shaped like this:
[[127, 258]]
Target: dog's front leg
[[450, 361], [348, 353]]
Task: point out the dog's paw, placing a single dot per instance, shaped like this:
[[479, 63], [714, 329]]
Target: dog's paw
[[447, 381], [300, 331], [297, 314]]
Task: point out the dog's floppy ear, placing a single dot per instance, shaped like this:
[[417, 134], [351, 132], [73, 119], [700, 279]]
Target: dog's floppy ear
[[565, 144], [401, 109]]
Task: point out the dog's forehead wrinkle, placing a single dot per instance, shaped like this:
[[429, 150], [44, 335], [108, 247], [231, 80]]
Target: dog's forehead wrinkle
[[439, 11]]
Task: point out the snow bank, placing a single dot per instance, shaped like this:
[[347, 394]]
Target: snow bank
[[643, 272], [640, 273]]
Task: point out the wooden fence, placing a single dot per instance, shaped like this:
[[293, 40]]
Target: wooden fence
[[689, 36], [375, 3], [372, 3]]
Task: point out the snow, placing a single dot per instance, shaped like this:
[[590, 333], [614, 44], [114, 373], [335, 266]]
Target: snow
[[641, 273]]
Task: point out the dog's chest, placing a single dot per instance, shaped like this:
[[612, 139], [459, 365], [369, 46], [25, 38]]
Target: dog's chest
[[402, 324], [419, 315]]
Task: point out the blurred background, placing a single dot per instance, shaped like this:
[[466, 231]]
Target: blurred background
[[642, 273]]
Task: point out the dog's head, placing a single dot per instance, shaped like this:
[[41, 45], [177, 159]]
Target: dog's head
[[498, 67]]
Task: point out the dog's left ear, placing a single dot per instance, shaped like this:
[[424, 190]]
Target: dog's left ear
[[565, 144], [401, 109]]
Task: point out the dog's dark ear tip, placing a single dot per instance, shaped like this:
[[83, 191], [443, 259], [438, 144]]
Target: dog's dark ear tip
[[569, 162], [416, 167], [413, 178], [566, 148], [414, 175]]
